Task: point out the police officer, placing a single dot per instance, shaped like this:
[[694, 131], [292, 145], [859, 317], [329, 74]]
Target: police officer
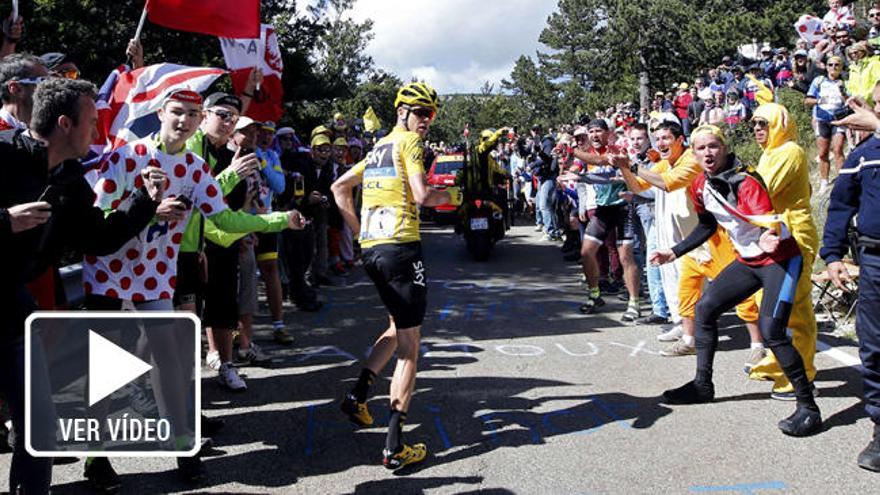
[[855, 193]]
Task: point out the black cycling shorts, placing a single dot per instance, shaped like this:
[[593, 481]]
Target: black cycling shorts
[[826, 130], [267, 247], [398, 272], [189, 288], [611, 218]]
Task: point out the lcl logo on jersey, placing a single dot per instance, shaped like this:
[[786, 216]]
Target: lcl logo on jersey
[[419, 269]]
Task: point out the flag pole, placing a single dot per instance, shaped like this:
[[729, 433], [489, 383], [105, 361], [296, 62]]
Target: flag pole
[[261, 50], [137, 34]]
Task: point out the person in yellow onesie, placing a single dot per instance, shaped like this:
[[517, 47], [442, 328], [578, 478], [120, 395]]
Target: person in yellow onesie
[[484, 177], [495, 174], [786, 172], [675, 218]]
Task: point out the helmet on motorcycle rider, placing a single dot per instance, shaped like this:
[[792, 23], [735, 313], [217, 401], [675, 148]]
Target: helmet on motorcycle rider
[[417, 94]]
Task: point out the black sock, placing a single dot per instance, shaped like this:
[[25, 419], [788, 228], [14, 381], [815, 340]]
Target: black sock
[[362, 387], [395, 431]]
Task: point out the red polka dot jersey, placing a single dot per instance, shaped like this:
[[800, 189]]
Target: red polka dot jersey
[[144, 269]]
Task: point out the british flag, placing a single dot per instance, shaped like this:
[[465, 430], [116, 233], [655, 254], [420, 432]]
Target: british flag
[[128, 100]]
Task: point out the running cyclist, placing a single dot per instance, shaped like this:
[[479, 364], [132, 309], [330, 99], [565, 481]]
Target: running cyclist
[[732, 196], [394, 185]]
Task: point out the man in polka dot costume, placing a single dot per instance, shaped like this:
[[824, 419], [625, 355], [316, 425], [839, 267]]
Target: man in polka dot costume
[[143, 272], [145, 268]]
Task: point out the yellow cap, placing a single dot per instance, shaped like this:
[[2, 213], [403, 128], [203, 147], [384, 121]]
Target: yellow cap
[[320, 139], [321, 130]]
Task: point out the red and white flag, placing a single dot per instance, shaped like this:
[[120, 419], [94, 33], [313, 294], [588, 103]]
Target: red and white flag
[[242, 55], [128, 100], [229, 18]]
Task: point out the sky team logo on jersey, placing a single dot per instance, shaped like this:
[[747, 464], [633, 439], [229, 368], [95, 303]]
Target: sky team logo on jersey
[[380, 162]]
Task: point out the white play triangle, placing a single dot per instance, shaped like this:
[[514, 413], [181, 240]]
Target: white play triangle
[[110, 367]]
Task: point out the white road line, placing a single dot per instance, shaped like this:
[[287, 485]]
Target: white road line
[[838, 355]]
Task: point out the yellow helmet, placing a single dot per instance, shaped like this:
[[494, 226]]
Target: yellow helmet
[[417, 94]]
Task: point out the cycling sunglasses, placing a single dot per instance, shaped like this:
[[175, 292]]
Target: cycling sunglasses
[[225, 115], [422, 113]]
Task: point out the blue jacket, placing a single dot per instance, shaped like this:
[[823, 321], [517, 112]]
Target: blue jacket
[[856, 190]]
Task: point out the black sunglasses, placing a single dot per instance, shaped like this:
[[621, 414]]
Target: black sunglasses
[[423, 113], [224, 115]]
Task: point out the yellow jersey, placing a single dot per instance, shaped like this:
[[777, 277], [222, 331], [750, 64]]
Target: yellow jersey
[[389, 213]]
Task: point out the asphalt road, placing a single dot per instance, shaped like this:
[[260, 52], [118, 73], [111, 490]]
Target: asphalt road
[[517, 393]]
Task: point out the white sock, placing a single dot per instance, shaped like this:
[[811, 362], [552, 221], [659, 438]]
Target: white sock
[[689, 340], [757, 345]]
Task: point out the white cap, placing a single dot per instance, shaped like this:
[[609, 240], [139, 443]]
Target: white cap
[[244, 122]]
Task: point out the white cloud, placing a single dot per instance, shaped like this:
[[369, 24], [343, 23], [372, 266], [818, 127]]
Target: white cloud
[[456, 45]]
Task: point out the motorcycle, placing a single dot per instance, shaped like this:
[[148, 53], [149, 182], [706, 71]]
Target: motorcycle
[[482, 224], [482, 215]]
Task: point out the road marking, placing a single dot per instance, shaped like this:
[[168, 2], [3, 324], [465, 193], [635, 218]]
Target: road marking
[[838, 355], [593, 350], [438, 425], [325, 351], [529, 350], [745, 489], [640, 347], [447, 310]]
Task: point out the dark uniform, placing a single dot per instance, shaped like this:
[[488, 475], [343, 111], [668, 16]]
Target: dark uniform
[[857, 191]]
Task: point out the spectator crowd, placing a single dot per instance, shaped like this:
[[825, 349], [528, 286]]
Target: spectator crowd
[[247, 201]]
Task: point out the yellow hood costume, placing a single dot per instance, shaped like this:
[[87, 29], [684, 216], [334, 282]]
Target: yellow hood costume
[[786, 172]]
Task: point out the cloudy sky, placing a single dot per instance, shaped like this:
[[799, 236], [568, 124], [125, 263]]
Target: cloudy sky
[[455, 45]]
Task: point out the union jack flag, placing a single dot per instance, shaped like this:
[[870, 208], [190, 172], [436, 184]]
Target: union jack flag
[[128, 100]]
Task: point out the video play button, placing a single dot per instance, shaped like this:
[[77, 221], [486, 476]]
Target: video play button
[[110, 367], [112, 383]]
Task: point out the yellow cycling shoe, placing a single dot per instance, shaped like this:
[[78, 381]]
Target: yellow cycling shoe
[[407, 455], [357, 412]]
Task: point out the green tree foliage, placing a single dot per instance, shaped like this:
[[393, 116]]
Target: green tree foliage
[[533, 90], [323, 52], [605, 51], [378, 90], [488, 109], [605, 45]]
